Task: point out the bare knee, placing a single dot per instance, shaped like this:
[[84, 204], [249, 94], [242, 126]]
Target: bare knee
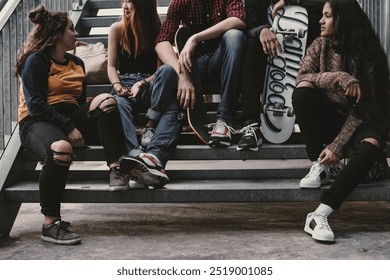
[[105, 102], [62, 152], [304, 84], [373, 141]]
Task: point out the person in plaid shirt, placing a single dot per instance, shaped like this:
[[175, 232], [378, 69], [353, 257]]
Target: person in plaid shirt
[[261, 44], [213, 53]]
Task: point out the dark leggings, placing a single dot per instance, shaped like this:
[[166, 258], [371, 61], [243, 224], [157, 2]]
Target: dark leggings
[[252, 81], [320, 122], [38, 136]]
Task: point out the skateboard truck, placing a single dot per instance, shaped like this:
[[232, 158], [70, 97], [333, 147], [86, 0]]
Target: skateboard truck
[[279, 109], [288, 34]]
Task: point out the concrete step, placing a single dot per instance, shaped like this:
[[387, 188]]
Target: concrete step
[[99, 15], [104, 21], [196, 191], [195, 170], [106, 4], [200, 152]]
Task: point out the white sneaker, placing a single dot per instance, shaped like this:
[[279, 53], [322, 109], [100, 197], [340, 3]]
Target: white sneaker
[[147, 134], [318, 175], [317, 226], [221, 134]]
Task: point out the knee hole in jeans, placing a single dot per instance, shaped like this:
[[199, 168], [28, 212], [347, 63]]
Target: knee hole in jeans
[[372, 141], [62, 152], [104, 102]]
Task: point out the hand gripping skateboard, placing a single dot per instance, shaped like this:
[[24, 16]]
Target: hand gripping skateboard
[[277, 117], [197, 117]]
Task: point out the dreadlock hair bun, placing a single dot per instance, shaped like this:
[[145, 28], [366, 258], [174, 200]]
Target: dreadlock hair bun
[[39, 15]]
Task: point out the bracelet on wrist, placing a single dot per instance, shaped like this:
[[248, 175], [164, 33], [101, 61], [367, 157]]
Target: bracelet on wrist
[[113, 84]]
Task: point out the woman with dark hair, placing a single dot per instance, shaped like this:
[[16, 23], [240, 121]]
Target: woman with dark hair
[[342, 100], [140, 86], [54, 116], [131, 53]]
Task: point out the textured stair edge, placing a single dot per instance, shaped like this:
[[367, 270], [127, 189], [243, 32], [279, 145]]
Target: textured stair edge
[[238, 174], [202, 191], [201, 152], [101, 4]]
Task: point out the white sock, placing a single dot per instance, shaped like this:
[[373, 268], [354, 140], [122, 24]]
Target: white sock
[[324, 210]]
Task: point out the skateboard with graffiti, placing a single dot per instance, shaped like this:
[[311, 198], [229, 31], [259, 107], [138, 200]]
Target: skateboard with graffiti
[[290, 26]]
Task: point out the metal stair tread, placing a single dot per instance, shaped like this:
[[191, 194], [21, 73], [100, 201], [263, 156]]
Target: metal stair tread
[[201, 191]]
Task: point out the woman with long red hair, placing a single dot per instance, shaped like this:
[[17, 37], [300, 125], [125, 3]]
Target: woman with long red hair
[[139, 86]]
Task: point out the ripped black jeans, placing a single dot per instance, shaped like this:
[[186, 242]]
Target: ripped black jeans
[[320, 122], [97, 127]]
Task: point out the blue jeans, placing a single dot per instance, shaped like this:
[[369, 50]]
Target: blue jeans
[[158, 98], [224, 66]]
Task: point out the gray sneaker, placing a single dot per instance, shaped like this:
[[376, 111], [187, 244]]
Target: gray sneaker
[[59, 233], [118, 181], [147, 134]]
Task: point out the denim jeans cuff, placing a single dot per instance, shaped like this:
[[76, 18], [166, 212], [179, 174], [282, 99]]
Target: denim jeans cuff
[[153, 115]]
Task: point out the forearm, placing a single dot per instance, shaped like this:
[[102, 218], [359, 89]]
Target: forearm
[[328, 80], [165, 52], [112, 74], [218, 29], [340, 142]]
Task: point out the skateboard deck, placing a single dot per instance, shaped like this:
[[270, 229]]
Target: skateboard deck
[[277, 115], [197, 117]]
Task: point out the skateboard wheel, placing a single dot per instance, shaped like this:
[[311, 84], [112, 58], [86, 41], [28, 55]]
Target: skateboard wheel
[[301, 33], [289, 38], [290, 112]]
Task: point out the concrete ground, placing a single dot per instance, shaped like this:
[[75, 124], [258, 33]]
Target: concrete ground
[[267, 231]]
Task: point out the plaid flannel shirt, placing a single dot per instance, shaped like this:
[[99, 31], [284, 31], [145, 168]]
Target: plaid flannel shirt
[[198, 16]]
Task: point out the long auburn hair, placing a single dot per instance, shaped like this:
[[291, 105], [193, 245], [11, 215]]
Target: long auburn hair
[[141, 28], [49, 27], [362, 53]]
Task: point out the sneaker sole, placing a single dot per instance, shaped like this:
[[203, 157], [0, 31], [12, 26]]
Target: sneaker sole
[[137, 185], [118, 188], [309, 231], [219, 144], [313, 186], [61, 242], [247, 149]]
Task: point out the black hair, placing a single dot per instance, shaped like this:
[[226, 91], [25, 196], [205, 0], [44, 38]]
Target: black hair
[[364, 56]]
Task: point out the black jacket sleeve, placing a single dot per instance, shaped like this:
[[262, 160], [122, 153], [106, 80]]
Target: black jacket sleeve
[[256, 16]]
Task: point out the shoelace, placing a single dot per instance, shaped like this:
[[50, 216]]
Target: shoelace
[[64, 226], [250, 130], [220, 127], [313, 169], [323, 222], [117, 172]]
